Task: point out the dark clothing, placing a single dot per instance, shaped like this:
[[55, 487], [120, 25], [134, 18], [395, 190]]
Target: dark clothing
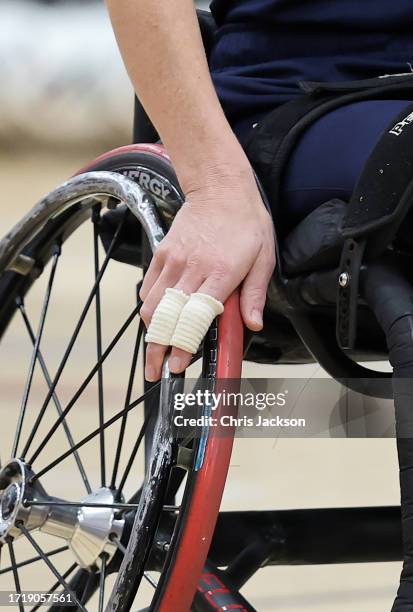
[[265, 47], [319, 170]]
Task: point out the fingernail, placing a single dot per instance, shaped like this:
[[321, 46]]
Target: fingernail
[[256, 317], [175, 364], [150, 373]]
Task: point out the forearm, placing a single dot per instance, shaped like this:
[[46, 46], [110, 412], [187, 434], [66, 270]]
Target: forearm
[[162, 49]]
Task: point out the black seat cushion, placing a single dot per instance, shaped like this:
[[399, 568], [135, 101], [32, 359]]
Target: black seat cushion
[[316, 242]]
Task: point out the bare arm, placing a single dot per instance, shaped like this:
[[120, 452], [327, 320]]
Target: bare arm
[[162, 48], [222, 237]]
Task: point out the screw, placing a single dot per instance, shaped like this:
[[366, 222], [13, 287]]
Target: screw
[[343, 279]]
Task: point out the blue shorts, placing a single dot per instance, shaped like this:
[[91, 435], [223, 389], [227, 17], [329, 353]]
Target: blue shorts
[[329, 157]]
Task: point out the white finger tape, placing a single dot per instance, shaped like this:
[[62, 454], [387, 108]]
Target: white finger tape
[[194, 321], [165, 317]]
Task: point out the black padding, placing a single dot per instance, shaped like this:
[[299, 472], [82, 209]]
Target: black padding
[[384, 192], [316, 242]]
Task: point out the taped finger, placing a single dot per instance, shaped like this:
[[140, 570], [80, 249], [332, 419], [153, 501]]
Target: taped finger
[[165, 317], [194, 321]]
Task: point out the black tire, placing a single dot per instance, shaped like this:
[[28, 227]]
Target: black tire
[[42, 251]]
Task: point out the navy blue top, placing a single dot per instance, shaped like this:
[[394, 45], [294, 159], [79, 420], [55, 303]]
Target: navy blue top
[[265, 47]]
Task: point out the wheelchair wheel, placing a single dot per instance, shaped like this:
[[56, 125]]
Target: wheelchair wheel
[[85, 512]]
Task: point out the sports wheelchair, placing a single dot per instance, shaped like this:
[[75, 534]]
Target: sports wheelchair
[[163, 533]]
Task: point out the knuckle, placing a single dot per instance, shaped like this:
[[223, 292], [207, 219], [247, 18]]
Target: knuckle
[[255, 294], [145, 288], [193, 263], [175, 260], [161, 253], [146, 313], [142, 294], [154, 352], [217, 276], [222, 269]]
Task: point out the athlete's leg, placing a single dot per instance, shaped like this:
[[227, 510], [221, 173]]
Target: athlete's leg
[[330, 156]]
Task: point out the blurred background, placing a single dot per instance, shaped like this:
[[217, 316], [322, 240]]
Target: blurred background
[[65, 98], [63, 82]]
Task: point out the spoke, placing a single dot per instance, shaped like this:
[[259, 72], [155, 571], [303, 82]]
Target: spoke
[[90, 587], [127, 402], [80, 504], [133, 454], [85, 440], [151, 581], [50, 553], [73, 338], [102, 582], [35, 352], [146, 575], [95, 220], [50, 565], [57, 584], [56, 400], [143, 397], [84, 385], [15, 573], [118, 544]]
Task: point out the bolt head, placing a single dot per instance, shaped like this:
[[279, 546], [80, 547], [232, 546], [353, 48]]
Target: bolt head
[[344, 279]]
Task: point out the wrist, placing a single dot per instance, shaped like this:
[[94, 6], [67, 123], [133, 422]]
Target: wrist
[[215, 155], [225, 169]]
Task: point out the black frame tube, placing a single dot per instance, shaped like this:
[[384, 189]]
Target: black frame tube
[[307, 537]]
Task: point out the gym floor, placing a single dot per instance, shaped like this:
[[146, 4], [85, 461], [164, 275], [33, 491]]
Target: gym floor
[[265, 473]]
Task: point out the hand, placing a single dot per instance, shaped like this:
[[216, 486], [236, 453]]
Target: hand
[[222, 237]]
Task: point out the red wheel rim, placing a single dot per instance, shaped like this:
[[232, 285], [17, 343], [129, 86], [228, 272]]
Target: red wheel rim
[[197, 533], [210, 483]]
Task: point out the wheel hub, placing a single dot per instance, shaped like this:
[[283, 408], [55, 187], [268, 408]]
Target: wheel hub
[[12, 487], [90, 528], [9, 501]]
